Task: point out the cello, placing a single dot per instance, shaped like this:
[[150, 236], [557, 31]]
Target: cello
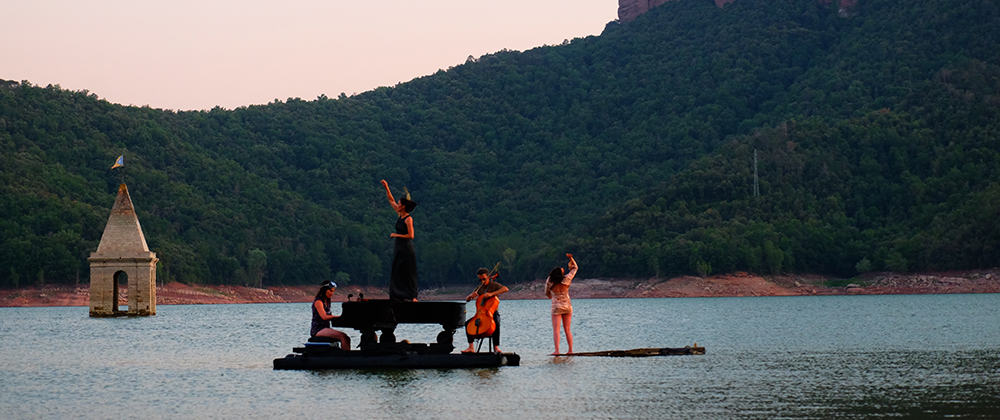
[[482, 325]]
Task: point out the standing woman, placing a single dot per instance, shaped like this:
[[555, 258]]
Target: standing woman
[[321, 317], [403, 280], [557, 289]]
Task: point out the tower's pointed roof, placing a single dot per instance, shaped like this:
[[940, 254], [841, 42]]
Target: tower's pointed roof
[[122, 236]]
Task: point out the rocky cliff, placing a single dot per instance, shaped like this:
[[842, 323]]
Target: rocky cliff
[[628, 10]]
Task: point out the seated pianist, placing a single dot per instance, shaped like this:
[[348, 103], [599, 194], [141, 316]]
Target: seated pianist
[[321, 317]]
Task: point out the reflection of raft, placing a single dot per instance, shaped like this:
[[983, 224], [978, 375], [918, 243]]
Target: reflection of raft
[[383, 351], [666, 351]]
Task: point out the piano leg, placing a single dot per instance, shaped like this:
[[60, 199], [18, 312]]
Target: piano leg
[[446, 337], [387, 336], [368, 339]]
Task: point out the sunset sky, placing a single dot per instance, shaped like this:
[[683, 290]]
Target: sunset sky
[[197, 54]]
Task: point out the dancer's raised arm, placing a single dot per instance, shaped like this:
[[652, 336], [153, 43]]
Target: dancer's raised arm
[[388, 195]]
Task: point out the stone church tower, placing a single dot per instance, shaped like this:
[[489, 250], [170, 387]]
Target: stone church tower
[[122, 256]]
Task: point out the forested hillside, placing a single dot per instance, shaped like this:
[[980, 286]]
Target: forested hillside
[[878, 138]]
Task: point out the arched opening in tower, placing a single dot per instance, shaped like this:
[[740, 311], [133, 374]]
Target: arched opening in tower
[[120, 285]]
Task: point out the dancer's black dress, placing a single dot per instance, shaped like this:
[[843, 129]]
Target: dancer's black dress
[[403, 282]]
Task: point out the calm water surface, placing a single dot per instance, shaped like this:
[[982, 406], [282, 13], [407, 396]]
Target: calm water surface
[[797, 357]]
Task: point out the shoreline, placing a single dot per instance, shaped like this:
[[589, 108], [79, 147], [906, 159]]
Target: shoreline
[[724, 285]]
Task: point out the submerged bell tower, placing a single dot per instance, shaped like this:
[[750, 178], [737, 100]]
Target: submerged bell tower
[[122, 257]]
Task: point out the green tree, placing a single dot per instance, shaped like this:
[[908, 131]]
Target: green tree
[[257, 266]]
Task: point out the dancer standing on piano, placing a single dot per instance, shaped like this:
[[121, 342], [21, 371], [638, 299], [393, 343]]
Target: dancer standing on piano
[[321, 317], [403, 280], [490, 288]]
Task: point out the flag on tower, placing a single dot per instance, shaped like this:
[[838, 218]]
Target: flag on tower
[[119, 162]]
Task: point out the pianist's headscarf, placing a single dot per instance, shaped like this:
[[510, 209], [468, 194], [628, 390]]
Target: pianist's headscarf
[[321, 294]]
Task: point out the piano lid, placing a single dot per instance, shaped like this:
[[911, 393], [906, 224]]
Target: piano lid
[[382, 313]]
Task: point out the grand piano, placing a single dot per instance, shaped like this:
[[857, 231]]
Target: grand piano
[[368, 316]]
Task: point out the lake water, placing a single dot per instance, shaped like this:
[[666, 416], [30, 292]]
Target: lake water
[[795, 357]]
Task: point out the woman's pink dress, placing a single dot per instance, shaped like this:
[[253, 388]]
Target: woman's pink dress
[[560, 299]]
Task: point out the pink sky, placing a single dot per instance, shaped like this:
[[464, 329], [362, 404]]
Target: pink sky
[[196, 54]]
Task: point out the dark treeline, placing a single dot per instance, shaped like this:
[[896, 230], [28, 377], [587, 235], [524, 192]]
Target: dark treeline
[[878, 138]]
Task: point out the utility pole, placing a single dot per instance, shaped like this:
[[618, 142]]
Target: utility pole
[[756, 187]]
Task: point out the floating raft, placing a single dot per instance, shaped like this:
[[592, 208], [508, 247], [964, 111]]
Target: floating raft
[[357, 360], [401, 356], [666, 351]]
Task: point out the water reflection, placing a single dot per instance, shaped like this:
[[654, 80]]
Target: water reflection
[[486, 373], [561, 360], [393, 378]]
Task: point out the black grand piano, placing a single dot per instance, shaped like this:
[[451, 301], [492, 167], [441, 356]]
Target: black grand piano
[[377, 320], [368, 316]]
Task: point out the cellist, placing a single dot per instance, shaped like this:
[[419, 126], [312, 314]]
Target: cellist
[[488, 288]]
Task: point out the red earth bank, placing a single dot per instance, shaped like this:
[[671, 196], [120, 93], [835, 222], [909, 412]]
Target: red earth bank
[[734, 284]]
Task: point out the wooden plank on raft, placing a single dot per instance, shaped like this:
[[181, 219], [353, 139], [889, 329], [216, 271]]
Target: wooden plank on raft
[[646, 352]]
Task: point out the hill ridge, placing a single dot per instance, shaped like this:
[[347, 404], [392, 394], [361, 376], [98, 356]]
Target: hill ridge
[[632, 149]]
